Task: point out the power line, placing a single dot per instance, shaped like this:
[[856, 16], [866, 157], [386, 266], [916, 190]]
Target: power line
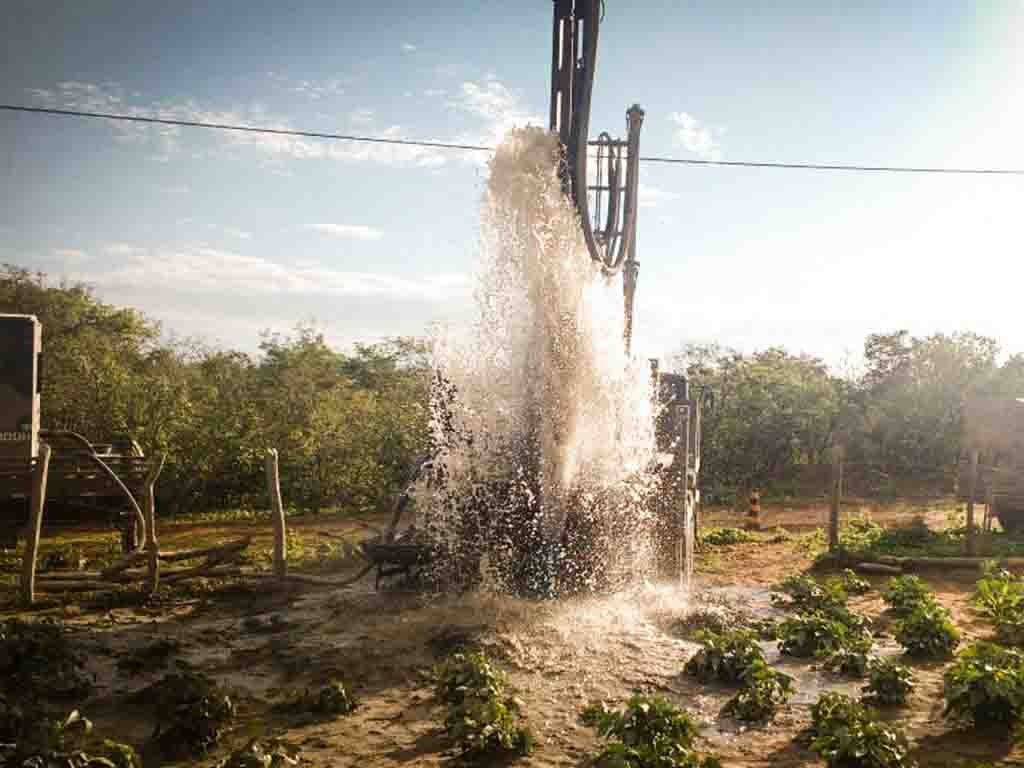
[[482, 148]]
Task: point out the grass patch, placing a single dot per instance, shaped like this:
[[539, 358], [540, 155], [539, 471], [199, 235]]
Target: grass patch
[[723, 537]]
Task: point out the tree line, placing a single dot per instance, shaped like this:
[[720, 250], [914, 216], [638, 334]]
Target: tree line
[[352, 426]]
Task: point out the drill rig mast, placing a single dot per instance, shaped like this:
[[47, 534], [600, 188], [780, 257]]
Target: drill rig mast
[[611, 239]]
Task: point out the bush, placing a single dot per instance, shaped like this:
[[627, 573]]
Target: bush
[[860, 534], [928, 632], [649, 733], [905, 593], [725, 656], [985, 686], [821, 635], [888, 682], [718, 537], [330, 700], [999, 596], [852, 583], [850, 735], [192, 711], [764, 690], [807, 594], [852, 663], [482, 718]]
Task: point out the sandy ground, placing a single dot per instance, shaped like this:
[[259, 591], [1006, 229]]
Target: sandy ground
[[559, 656]]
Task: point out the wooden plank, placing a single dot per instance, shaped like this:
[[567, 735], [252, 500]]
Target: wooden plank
[[277, 515], [837, 496]]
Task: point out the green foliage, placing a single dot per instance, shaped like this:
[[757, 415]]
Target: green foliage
[[482, 718], [819, 634], [845, 661], [888, 682], [860, 534], [928, 632], [999, 596], [904, 594], [649, 733], [717, 537], [764, 690], [273, 753], [850, 735], [985, 686], [807, 594], [192, 713], [724, 657], [852, 583]]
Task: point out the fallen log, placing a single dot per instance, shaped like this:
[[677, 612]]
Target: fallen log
[[193, 554], [878, 568]]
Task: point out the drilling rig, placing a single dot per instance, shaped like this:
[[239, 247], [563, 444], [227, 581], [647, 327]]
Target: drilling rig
[[600, 178]]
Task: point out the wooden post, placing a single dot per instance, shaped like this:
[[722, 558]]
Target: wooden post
[[972, 485], [152, 547], [277, 515], [35, 525], [837, 498]]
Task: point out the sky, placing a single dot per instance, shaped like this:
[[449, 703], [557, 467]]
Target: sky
[[223, 236]]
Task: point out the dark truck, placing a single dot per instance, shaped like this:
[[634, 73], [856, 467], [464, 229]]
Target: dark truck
[[85, 480]]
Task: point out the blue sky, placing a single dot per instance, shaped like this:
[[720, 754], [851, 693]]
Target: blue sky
[[222, 235]]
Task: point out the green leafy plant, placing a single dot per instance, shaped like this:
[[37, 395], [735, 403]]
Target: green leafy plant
[[764, 690], [888, 682], [820, 635], [928, 632], [724, 656], [649, 733], [273, 753], [329, 700], [807, 594], [852, 583], [717, 537], [905, 593], [849, 662], [482, 718], [860, 534], [39, 661], [985, 686], [999, 596], [849, 735], [192, 712]]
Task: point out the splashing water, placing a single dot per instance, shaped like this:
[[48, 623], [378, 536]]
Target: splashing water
[[543, 427]]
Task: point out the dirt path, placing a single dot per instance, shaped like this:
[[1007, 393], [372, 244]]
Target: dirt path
[[560, 656]]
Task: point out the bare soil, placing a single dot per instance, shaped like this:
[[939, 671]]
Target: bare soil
[[559, 655]]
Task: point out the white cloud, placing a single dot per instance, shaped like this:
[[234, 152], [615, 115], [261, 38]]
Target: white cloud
[[408, 47], [350, 231], [497, 108], [241, 234], [121, 249], [696, 137], [652, 197], [71, 255], [210, 271], [110, 97]]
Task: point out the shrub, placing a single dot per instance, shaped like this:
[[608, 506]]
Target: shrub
[[999, 596], [985, 686], [482, 718], [928, 632], [725, 656], [845, 661], [649, 733], [192, 711], [717, 537], [860, 534], [764, 690], [888, 682], [850, 735], [820, 635], [330, 700], [905, 593], [852, 583], [807, 594]]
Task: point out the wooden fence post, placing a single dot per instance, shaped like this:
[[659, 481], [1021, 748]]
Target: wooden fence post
[[277, 515], [35, 525], [972, 485], [152, 547], [837, 498]]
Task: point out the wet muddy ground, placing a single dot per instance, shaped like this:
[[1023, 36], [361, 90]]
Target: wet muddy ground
[[265, 643]]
